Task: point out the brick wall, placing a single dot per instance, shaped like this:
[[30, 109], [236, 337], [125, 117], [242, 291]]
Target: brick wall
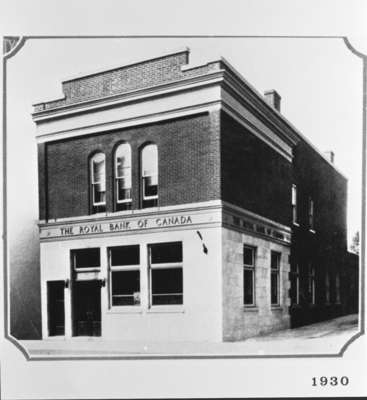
[[126, 78], [254, 176], [188, 152], [326, 246]]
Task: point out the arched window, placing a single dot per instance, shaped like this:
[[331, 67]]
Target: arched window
[[149, 171], [98, 182], [123, 177]]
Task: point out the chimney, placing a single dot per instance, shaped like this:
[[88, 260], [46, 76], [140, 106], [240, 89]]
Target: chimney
[[273, 98], [330, 156]]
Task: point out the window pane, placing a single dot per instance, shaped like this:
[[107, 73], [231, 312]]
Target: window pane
[[167, 286], [275, 260], [166, 252], [150, 203], [248, 256], [99, 193], [150, 160], [150, 186], [123, 189], [294, 195], [86, 258], [123, 160], [125, 255], [125, 288], [98, 167], [167, 299], [248, 287], [123, 206], [274, 288]]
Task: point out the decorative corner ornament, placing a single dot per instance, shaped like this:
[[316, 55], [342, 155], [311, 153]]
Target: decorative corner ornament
[[11, 45]]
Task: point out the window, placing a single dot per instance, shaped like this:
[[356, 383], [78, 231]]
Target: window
[[337, 287], [310, 213], [311, 283], [124, 275], [248, 276], [149, 169], [166, 275], [295, 285], [294, 204], [123, 177], [274, 284], [327, 286], [98, 182], [86, 259]]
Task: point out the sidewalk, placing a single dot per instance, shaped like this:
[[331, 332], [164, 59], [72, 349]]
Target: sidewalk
[[322, 338]]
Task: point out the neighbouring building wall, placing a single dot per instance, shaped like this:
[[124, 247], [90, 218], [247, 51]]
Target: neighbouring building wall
[[240, 322], [322, 246], [350, 284], [188, 164], [254, 176]]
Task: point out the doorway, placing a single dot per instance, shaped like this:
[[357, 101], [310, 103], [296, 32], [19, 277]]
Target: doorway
[[86, 305], [55, 308]]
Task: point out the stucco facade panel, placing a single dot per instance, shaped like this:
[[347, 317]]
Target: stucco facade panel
[[198, 319]]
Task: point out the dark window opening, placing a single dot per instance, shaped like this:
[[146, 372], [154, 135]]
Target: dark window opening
[[248, 276], [166, 253], [167, 286], [86, 258], [166, 273], [125, 288], [125, 275], [274, 280], [125, 255]]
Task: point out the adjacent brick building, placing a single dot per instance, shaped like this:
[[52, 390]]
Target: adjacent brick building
[[177, 203]]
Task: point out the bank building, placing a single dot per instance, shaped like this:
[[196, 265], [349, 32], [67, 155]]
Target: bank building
[[177, 204]]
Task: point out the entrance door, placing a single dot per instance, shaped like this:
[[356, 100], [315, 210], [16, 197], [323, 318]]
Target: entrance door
[[55, 308], [87, 308]]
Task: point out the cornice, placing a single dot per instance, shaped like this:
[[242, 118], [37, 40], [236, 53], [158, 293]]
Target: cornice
[[216, 213], [259, 107]]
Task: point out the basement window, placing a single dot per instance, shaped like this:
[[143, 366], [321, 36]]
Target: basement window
[[166, 274], [124, 275]]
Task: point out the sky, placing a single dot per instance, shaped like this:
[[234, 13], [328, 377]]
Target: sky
[[319, 80]]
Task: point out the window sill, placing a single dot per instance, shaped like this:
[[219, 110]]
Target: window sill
[[276, 307], [124, 310], [250, 309], [166, 310]]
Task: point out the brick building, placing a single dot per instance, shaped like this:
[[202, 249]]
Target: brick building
[[177, 203]]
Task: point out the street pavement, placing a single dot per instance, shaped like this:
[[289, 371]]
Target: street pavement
[[324, 338]]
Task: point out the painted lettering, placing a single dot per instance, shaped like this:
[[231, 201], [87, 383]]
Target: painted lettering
[[174, 220], [142, 223], [66, 231]]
